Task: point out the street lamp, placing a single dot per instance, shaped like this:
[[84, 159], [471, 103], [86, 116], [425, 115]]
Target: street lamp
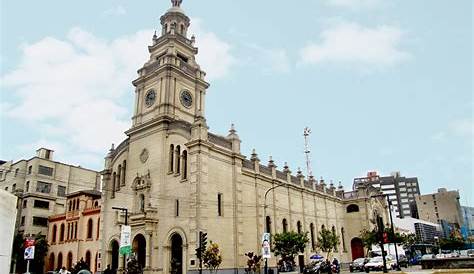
[[125, 210], [265, 216]]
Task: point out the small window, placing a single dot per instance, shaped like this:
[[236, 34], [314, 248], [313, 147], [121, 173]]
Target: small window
[[285, 225], [352, 208], [27, 187], [22, 220], [61, 191], [6, 188], [41, 204], [89, 229], [40, 221], [13, 187], [177, 208], [43, 187], [25, 203], [219, 204], [16, 171], [30, 168]]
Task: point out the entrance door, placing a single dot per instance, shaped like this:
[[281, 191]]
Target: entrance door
[[357, 248], [176, 254], [301, 262], [139, 247], [114, 246]]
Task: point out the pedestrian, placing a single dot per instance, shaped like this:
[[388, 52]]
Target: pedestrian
[[63, 270], [108, 270]]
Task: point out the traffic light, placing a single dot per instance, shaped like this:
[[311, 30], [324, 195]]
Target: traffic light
[[202, 241], [385, 238], [202, 245]]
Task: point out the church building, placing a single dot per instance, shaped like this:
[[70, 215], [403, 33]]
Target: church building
[[176, 178]]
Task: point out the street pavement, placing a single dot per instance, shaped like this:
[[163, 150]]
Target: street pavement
[[418, 270]]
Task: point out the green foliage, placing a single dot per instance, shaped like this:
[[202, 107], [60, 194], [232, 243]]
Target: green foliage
[[409, 240], [369, 238], [451, 243], [289, 244], [328, 241], [41, 250], [133, 266], [253, 262], [212, 257], [80, 265]]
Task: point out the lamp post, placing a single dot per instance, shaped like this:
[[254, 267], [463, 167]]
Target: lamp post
[[123, 209], [264, 219]]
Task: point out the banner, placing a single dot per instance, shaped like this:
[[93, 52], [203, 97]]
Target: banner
[[125, 246], [266, 246]]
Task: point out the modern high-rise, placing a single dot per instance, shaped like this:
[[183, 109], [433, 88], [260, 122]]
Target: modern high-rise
[[401, 190], [41, 185], [443, 205]]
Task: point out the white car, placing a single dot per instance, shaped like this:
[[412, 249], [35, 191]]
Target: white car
[[376, 264]]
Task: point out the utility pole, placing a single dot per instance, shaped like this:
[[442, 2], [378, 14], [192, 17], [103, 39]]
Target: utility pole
[[381, 229], [125, 210], [264, 219]]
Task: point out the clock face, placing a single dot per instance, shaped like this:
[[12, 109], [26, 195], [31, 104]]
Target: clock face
[[186, 98], [150, 98]]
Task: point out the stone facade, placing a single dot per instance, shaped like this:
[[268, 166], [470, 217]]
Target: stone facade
[[74, 234], [443, 205], [41, 185], [176, 178]]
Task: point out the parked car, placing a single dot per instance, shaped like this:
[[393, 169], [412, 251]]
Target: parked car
[[376, 264], [428, 257], [358, 264]]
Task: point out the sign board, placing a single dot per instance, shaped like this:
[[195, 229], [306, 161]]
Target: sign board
[[266, 246], [125, 246], [29, 253]]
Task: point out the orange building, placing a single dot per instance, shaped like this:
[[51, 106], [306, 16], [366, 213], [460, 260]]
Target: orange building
[[74, 234]]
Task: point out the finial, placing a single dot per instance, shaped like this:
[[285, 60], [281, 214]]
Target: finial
[[271, 163], [254, 156], [340, 187], [112, 148], [176, 3], [232, 129]]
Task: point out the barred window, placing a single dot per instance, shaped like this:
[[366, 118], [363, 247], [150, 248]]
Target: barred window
[[44, 170], [43, 187], [40, 221]]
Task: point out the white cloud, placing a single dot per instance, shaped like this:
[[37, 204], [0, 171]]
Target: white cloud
[[72, 91], [353, 4], [351, 43], [115, 11], [215, 56]]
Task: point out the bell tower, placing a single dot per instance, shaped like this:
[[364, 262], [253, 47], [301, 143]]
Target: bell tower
[[170, 85]]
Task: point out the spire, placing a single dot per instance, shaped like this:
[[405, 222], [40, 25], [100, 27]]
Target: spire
[[176, 3]]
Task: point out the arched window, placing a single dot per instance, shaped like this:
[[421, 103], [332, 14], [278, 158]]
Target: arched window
[[352, 208], [185, 164], [88, 258], [60, 260], [61, 233], [285, 225], [177, 208], [69, 260], [323, 227], [298, 227], [70, 206], [55, 228], [333, 230], [75, 230], [51, 262], [178, 156], [27, 187], [171, 158], [182, 29], [311, 230], [124, 169], [343, 240], [114, 176], [118, 181], [89, 229], [98, 228], [141, 203], [268, 224], [96, 261], [16, 171], [96, 204]]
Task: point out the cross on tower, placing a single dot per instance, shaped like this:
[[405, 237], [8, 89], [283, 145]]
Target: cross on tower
[[176, 3]]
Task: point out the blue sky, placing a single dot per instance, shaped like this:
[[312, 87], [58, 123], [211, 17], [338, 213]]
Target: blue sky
[[384, 85]]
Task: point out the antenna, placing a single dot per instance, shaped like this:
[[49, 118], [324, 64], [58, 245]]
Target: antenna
[[307, 132]]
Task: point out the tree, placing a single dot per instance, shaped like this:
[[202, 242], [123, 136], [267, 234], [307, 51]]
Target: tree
[[369, 238], [289, 244], [253, 262], [451, 243], [212, 257], [409, 240], [80, 265], [41, 250], [133, 266], [327, 241]]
